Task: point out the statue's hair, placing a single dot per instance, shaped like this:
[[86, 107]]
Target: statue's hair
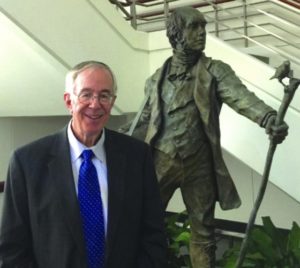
[[176, 23], [80, 67]]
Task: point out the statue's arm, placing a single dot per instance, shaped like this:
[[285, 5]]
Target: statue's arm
[[234, 93]]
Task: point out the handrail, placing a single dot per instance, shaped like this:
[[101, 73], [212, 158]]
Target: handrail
[[248, 38], [232, 15], [266, 24], [291, 3], [199, 5], [142, 3], [258, 27], [121, 6]]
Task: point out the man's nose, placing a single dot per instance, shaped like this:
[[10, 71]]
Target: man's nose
[[94, 101]]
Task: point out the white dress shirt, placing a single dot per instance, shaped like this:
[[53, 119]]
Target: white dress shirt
[[99, 161]]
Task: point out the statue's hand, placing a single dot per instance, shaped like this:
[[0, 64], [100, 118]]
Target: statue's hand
[[277, 133]]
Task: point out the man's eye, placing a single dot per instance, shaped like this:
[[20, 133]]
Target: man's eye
[[85, 95], [104, 96]]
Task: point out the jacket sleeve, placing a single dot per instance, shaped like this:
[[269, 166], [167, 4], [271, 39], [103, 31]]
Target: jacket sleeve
[[15, 234], [141, 120], [234, 93]]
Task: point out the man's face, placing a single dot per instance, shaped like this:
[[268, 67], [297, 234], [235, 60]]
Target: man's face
[[89, 117], [194, 33]]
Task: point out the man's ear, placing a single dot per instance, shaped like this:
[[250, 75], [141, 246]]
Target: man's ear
[[68, 101]]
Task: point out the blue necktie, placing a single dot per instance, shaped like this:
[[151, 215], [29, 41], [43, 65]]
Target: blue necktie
[[91, 211]]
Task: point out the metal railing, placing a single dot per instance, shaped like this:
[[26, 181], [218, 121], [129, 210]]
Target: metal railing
[[273, 39], [242, 23]]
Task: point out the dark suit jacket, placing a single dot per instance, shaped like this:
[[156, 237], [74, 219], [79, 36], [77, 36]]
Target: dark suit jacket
[[41, 224]]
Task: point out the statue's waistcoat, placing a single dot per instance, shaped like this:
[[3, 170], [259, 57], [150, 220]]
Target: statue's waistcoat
[[182, 130]]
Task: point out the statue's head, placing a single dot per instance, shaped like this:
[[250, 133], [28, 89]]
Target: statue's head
[[186, 29]]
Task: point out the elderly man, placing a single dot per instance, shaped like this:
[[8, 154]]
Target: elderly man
[[180, 120], [86, 197]]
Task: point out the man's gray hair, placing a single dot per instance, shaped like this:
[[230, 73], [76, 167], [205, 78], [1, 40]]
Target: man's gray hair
[[80, 67]]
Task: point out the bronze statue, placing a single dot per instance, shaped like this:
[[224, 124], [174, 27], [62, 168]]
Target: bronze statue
[[180, 120]]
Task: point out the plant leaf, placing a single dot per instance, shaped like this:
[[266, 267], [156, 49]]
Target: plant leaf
[[264, 246], [294, 237], [279, 241], [294, 242], [183, 237]]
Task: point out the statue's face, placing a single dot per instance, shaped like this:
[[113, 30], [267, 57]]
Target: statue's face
[[194, 33]]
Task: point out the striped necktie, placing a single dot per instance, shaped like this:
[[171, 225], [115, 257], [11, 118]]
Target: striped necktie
[[91, 210]]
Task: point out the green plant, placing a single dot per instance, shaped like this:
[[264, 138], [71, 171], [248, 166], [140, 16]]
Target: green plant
[[178, 233], [269, 247]]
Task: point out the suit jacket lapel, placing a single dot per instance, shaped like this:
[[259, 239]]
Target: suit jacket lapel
[[116, 163], [202, 94], [60, 168]]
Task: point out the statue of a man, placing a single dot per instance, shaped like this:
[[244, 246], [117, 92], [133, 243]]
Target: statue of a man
[[180, 120]]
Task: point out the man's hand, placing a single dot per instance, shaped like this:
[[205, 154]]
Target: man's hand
[[276, 133]]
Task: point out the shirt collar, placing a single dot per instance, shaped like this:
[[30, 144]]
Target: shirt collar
[[178, 71], [76, 147]]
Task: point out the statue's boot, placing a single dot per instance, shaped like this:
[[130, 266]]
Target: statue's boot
[[202, 255]]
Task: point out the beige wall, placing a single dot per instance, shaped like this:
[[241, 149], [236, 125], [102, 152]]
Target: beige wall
[[21, 130]]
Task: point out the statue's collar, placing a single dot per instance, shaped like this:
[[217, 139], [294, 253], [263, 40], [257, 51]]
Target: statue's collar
[[181, 64]]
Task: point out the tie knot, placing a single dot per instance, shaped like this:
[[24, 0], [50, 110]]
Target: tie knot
[[87, 155]]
